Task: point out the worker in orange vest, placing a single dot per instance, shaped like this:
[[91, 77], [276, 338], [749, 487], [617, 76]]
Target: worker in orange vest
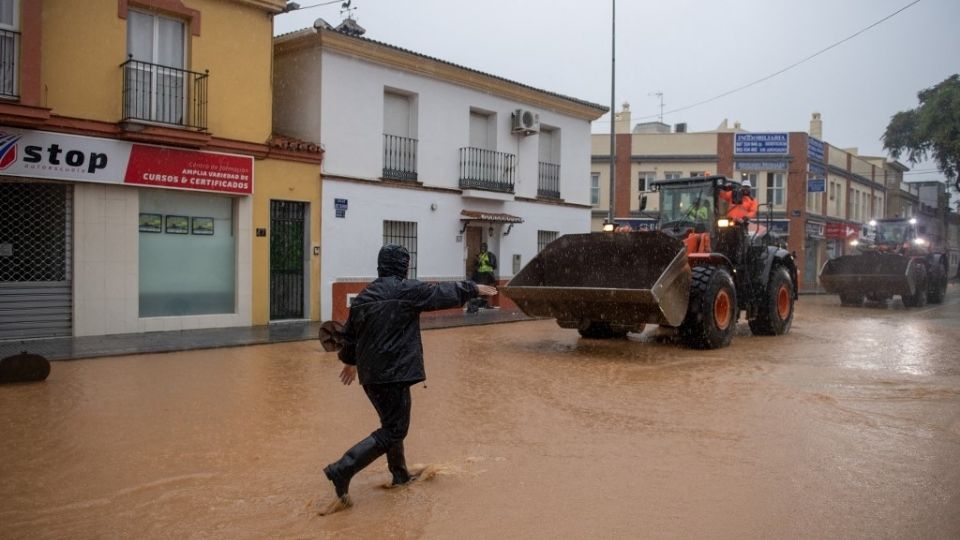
[[746, 209]]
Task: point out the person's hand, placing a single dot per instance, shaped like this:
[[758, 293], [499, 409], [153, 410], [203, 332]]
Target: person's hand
[[486, 290], [347, 374]]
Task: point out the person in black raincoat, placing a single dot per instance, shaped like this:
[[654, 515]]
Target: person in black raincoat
[[382, 346]]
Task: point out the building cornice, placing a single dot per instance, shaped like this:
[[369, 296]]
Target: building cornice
[[152, 134], [411, 62]]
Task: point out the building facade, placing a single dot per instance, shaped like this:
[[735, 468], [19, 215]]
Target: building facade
[[430, 155], [817, 195], [137, 163]]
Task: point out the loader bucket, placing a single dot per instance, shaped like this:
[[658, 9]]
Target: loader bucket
[[880, 274], [622, 279]]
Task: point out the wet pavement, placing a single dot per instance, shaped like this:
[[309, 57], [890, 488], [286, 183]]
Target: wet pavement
[[848, 427]]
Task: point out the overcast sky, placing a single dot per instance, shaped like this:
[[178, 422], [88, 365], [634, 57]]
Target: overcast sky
[[691, 50]]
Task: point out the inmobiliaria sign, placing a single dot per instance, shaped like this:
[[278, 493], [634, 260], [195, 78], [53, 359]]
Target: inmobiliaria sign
[[41, 154]]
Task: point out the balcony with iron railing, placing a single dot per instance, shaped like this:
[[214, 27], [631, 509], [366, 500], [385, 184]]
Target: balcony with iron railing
[[399, 158], [9, 70], [487, 170], [164, 95], [548, 180]]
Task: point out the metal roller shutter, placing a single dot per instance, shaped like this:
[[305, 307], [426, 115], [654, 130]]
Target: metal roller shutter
[[35, 260]]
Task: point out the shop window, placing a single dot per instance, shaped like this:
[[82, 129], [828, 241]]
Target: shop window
[[188, 254], [403, 233]]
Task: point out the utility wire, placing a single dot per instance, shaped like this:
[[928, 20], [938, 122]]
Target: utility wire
[[788, 68], [321, 4]]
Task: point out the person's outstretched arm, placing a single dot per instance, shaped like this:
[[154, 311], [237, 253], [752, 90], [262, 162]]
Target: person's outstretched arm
[[447, 294]]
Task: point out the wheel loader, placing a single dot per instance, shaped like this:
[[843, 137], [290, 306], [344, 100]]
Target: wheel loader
[[891, 259], [697, 272]]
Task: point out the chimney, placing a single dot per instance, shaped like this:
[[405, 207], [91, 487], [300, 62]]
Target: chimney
[[816, 126], [622, 119]]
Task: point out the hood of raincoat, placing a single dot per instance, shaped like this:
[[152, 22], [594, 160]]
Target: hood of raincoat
[[393, 260]]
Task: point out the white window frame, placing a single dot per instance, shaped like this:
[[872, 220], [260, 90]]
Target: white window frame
[[595, 188], [777, 189], [672, 175], [15, 56], [154, 52]]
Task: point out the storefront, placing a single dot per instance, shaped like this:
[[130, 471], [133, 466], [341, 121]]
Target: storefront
[[101, 236]]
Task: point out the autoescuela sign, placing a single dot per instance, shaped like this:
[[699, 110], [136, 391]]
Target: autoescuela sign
[[41, 154]]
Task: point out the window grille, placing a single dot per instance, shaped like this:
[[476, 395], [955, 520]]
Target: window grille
[[34, 230], [544, 238], [403, 233]]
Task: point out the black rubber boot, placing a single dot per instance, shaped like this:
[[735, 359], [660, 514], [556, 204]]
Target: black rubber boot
[[362, 454], [398, 465]]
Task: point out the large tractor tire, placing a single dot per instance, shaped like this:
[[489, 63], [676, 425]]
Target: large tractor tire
[[851, 299], [938, 285], [776, 313], [600, 330], [712, 311], [919, 296]]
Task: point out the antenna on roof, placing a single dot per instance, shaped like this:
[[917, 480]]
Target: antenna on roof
[[659, 95]]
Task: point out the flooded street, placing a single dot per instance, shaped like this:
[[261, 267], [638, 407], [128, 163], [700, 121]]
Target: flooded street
[[848, 427]]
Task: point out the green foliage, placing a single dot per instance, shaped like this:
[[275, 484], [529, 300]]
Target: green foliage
[[932, 129]]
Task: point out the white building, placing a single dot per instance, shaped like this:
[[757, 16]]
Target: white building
[[431, 155]]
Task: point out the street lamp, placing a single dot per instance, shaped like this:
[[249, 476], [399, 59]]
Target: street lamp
[[613, 114]]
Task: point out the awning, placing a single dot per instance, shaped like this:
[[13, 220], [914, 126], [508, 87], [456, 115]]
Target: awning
[[493, 217]]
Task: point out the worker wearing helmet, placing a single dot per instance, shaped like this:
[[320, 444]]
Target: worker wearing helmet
[[746, 208]]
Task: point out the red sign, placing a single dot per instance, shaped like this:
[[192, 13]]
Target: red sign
[[840, 231], [183, 169]]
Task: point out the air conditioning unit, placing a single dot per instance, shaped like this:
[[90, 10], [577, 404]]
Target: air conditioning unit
[[525, 122]]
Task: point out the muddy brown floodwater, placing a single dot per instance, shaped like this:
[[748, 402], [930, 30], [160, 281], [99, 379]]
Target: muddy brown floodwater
[[848, 427]]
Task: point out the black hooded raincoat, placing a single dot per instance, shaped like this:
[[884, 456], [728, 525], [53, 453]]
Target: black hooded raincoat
[[382, 334]]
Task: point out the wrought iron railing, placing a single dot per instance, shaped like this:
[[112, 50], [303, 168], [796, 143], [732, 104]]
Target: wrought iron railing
[[9, 56], [548, 180], [399, 157], [164, 94], [487, 169]]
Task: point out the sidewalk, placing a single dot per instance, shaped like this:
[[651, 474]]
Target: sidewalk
[[73, 348]]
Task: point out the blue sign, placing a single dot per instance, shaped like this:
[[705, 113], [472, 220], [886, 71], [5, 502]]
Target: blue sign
[[817, 169], [760, 143], [815, 149], [760, 166], [340, 204], [816, 185]]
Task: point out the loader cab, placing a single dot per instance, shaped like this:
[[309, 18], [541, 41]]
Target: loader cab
[[894, 235], [687, 204]]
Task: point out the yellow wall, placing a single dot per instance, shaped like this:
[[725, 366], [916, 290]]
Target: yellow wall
[[288, 181], [84, 44]]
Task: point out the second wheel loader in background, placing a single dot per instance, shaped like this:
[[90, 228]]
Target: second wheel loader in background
[[891, 259]]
